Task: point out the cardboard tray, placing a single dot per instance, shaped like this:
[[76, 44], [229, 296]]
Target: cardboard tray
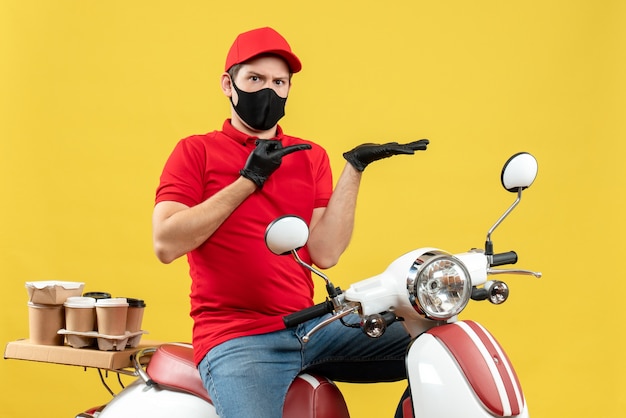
[[85, 357]]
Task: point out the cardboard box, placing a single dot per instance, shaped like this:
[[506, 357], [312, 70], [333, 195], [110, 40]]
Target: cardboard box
[[85, 357], [53, 292]]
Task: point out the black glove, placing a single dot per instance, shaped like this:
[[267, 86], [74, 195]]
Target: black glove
[[266, 158], [364, 154]]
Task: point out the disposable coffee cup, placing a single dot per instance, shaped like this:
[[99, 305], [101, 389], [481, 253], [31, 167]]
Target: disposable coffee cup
[[135, 314], [80, 314], [111, 314], [97, 296], [44, 322]]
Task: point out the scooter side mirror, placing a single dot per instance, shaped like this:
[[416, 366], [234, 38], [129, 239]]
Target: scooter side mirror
[[286, 234], [519, 172]]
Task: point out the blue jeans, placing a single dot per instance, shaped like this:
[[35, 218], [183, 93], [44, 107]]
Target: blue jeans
[[248, 377]]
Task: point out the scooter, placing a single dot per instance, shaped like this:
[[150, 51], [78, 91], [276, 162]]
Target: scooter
[[454, 367]]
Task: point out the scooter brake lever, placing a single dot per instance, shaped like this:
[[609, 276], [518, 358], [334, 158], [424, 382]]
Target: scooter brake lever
[[349, 309], [537, 274]]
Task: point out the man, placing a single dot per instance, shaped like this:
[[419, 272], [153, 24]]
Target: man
[[217, 194]]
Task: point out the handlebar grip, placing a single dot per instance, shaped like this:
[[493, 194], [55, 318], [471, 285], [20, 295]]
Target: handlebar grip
[[502, 259], [304, 315]]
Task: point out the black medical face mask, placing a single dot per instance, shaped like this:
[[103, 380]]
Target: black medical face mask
[[261, 110]]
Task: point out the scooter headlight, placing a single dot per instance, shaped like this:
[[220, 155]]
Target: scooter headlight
[[440, 285]]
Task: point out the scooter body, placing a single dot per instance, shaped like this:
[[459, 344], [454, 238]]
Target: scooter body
[[171, 386], [455, 367]]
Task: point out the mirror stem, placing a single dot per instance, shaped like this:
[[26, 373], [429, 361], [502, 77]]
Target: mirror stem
[[488, 243], [332, 291]]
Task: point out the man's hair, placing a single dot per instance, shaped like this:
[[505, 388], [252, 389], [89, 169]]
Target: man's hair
[[234, 70]]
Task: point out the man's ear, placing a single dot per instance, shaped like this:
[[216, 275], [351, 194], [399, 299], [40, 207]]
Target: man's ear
[[227, 85]]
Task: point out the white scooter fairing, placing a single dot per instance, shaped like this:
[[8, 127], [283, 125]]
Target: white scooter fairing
[[462, 363], [140, 400]]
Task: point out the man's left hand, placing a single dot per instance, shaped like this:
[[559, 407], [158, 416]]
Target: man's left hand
[[361, 156]]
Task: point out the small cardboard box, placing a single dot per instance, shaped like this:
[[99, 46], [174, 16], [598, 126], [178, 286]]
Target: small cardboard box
[[85, 357], [53, 292]]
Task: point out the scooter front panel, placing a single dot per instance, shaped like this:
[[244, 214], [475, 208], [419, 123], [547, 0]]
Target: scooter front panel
[[484, 365], [438, 387]]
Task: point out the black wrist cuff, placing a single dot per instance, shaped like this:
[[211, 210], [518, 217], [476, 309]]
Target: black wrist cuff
[[253, 177], [358, 165]]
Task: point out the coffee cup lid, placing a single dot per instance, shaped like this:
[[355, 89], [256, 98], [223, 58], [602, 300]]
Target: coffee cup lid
[[97, 295], [135, 303], [112, 302], [80, 302]]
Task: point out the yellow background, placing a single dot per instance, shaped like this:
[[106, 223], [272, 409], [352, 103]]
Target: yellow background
[[94, 95]]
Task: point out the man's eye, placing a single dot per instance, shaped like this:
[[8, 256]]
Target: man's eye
[[254, 78]]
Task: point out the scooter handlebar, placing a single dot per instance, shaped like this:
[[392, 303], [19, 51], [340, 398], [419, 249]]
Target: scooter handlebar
[[304, 315], [503, 259]]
